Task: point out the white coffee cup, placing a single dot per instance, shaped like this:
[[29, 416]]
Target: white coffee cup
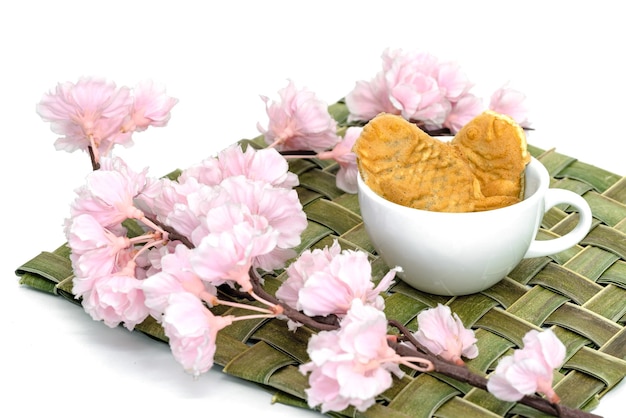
[[455, 254]]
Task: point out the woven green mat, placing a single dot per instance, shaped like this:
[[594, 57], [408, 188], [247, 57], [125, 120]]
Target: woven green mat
[[580, 293]]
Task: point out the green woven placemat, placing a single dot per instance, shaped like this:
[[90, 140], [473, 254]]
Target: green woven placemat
[[580, 293]]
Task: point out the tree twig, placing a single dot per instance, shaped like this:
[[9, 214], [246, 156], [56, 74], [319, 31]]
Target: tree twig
[[463, 374], [330, 323], [415, 349], [173, 235], [95, 165]]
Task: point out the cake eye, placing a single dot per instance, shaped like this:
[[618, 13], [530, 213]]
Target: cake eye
[[473, 133]]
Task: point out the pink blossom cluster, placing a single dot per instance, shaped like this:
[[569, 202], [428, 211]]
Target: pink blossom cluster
[[346, 159], [300, 121], [323, 282], [95, 114], [423, 89], [353, 365], [416, 85], [221, 218], [103, 256], [443, 334], [530, 369]]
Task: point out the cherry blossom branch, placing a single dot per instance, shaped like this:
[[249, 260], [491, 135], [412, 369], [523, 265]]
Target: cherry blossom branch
[[413, 351], [322, 324], [417, 350], [232, 292], [300, 153], [296, 156], [172, 234], [95, 165], [150, 224], [463, 374]]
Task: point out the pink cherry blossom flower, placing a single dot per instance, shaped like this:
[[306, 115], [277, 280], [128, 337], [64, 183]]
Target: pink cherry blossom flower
[[96, 251], [150, 107], [87, 272], [277, 207], [414, 91], [369, 98], [94, 113], [158, 288], [443, 333], [423, 89], [353, 365], [299, 121], [256, 223], [463, 111], [227, 256], [86, 113], [109, 195], [117, 298], [263, 165], [512, 103], [150, 195], [302, 268], [259, 180], [336, 282], [452, 81], [182, 204], [412, 84], [546, 346], [530, 369], [176, 276], [342, 153], [192, 330]]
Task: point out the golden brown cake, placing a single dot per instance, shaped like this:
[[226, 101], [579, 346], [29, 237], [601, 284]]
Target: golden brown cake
[[480, 169]]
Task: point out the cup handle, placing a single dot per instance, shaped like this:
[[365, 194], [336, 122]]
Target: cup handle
[[555, 197]]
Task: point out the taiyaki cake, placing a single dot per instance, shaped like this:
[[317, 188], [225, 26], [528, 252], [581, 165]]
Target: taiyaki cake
[[482, 168]]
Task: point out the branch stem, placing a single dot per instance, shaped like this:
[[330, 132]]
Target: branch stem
[[288, 311], [463, 374]]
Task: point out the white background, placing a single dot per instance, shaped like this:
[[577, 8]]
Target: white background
[[217, 58]]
